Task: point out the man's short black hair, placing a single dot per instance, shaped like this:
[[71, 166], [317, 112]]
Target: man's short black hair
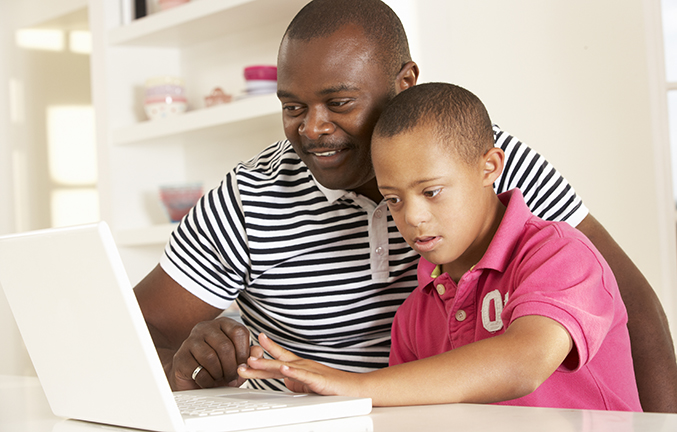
[[457, 116], [321, 18]]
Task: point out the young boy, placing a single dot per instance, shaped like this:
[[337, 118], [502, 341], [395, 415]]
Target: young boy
[[509, 309]]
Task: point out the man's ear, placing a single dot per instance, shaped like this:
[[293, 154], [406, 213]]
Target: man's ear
[[407, 76], [493, 161]]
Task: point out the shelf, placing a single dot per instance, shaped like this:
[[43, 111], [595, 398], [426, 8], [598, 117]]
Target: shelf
[[202, 20], [220, 116], [155, 235]]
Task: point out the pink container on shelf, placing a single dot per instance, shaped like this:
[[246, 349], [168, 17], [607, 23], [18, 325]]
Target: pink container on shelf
[[260, 72], [260, 79], [179, 199]]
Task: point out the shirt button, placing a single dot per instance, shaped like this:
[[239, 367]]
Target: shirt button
[[379, 250], [440, 289], [460, 315], [378, 213]]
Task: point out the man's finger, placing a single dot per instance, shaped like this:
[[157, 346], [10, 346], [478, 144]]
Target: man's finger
[[239, 337]]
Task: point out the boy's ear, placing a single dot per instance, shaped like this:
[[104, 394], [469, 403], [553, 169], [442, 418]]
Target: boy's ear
[[493, 161], [407, 76]]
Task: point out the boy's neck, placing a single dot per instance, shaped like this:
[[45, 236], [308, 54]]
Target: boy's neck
[[456, 269]]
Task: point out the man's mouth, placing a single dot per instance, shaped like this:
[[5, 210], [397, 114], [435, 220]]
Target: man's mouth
[[325, 153]]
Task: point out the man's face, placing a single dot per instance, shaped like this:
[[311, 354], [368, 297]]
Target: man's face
[[332, 91]]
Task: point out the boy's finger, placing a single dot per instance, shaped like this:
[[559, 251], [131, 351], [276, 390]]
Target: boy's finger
[[310, 381], [264, 364], [275, 350], [248, 373]]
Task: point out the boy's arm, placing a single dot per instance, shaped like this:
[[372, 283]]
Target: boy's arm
[[503, 367], [653, 353]]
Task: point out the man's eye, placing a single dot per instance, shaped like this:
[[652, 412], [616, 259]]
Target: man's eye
[[291, 108], [338, 103]]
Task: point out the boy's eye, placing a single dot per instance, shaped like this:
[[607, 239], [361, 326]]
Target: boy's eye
[[432, 193], [392, 200]]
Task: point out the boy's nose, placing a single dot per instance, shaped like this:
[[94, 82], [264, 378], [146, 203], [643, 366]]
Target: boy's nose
[[316, 124], [416, 215]]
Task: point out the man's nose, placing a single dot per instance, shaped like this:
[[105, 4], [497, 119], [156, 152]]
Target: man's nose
[[315, 124]]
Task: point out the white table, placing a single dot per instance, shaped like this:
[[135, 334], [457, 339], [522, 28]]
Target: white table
[[23, 408]]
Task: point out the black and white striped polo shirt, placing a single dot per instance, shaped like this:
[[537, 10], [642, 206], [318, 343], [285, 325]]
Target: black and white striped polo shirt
[[321, 271]]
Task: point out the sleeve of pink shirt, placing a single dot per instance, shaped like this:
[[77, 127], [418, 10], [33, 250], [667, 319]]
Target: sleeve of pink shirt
[[401, 351], [565, 279]]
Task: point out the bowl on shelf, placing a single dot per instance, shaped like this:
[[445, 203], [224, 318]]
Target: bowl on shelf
[[260, 79], [178, 199], [164, 96]]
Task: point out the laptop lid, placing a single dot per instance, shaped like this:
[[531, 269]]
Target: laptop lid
[[92, 351], [76, 311]]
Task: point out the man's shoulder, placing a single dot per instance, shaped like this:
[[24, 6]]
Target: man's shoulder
[[271, 158], [277, 162]]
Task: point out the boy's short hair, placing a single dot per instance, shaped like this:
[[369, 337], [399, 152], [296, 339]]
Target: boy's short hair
[[321, 18], [458, 117]]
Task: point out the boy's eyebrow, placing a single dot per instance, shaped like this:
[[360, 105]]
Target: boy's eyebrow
[[413, 183]]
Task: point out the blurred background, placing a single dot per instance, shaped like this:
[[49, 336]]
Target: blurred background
[[590, 85]]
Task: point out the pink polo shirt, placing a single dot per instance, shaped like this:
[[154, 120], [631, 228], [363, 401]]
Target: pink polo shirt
[[532, 267]]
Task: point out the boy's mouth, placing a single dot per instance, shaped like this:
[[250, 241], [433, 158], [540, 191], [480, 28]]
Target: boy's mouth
[[426, 244]]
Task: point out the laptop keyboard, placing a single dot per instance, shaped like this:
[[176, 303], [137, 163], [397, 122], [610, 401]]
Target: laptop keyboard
[[205, 406]]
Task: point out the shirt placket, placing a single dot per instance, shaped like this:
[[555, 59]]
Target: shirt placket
[[459, 306], [378, 237]]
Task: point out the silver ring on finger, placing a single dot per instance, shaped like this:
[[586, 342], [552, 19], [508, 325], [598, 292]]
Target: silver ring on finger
[[196, 371]]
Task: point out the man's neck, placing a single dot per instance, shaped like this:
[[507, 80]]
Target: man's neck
[[370, 190]]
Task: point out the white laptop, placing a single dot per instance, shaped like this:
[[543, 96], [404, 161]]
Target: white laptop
[[91, 349]]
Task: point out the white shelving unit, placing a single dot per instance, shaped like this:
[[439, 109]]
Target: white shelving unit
[[207, 43]]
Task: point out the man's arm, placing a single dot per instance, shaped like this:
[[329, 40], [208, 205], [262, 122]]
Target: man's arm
[[186, 334], [653, 351], [503, 367]]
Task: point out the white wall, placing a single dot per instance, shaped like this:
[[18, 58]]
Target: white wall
[[27, 134], [575, 80]]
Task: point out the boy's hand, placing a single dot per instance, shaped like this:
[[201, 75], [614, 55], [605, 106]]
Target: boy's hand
[[300, 375]]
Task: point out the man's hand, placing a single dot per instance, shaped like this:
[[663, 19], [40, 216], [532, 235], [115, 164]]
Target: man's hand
[[300, 375], [219, 346], [188, 333]]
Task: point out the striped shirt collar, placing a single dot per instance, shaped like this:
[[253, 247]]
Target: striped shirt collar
[[334, 195]]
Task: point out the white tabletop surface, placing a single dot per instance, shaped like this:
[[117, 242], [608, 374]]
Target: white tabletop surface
[[23, 408]]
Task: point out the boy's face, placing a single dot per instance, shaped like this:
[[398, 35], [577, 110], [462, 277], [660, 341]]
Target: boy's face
[[443, 207]]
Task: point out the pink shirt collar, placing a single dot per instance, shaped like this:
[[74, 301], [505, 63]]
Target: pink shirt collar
[[500, 250]]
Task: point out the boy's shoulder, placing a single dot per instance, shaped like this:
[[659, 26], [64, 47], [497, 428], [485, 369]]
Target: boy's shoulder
[[529, 234], [559, 243]]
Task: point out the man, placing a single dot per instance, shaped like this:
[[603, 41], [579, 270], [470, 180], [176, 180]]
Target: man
[[300, 237]]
